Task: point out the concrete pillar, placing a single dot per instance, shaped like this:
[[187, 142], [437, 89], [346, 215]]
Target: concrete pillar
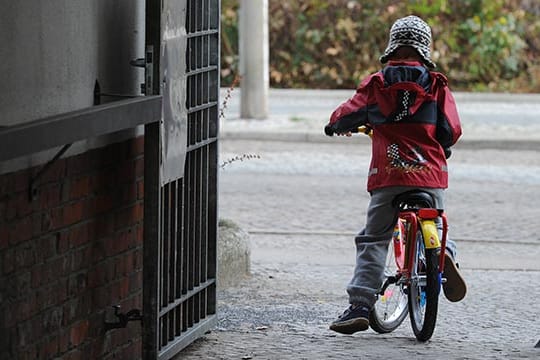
[[254, 59]]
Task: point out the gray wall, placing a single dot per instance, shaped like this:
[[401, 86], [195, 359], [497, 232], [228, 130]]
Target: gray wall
[[52, 52]]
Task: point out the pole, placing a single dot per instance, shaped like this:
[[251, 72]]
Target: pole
[[254, 59]]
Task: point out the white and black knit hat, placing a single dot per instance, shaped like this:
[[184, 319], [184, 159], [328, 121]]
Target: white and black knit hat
[[410, 31]]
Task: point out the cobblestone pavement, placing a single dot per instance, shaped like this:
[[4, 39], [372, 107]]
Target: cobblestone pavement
[[302, 204]]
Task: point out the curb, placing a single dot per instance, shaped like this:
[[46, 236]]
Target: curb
[[498, 144]]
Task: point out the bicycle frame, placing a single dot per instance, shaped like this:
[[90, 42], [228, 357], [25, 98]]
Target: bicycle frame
[[404, 238]]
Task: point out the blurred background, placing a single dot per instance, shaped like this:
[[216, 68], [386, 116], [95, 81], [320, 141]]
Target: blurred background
[[482, 45]]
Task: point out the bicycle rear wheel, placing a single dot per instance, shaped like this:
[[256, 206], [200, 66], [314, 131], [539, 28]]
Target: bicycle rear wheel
[[424, 290], [391, 307]]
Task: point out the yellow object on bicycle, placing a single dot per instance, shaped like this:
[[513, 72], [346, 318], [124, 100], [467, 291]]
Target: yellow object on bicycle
[[430, 233], [366, 130]]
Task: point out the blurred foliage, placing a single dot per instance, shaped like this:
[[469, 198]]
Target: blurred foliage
[[485, 45]]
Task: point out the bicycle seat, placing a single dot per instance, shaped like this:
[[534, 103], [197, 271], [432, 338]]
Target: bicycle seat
[[414, 198]]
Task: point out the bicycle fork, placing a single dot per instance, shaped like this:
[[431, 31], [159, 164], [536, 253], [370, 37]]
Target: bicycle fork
[[430, 233]]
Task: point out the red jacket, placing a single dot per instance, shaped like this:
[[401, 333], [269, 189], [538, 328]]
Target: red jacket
[[414, 120]]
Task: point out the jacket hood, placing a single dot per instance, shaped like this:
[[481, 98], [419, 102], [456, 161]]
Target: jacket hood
[[414, 72]]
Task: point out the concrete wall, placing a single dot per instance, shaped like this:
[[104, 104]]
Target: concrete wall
[[52, 52]]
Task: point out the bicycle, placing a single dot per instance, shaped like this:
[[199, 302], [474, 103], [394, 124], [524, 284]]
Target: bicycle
[[413, 270]]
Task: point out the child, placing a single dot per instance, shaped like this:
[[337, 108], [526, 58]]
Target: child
[[415, 122]]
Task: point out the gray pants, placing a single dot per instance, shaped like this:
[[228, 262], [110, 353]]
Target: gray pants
[[372, 242]]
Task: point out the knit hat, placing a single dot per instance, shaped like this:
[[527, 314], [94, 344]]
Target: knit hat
[[410, 31]]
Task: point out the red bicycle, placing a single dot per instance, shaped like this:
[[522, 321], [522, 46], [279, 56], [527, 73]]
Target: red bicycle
[[413, 272]]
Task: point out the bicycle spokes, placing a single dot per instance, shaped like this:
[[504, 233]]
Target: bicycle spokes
[[387, 295], [422, 299], [391, 308]]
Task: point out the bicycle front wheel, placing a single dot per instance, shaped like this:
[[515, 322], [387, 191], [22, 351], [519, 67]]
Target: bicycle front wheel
[[424, 290], [391, 307]]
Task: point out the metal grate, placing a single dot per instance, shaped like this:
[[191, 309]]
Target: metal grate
[[185, 307]]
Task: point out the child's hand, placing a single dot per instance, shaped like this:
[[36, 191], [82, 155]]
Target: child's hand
[[328, 130]]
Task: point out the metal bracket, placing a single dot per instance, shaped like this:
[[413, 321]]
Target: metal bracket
[[149, 70], [139, 62], [123, 319], [33, 191]]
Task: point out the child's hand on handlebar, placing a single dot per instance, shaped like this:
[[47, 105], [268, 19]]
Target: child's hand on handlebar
[[329, 131]]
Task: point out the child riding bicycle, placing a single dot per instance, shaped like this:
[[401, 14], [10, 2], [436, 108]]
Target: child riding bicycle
[[415, 122]]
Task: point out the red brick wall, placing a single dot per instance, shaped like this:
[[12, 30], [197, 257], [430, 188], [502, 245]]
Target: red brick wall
[[70, 254]]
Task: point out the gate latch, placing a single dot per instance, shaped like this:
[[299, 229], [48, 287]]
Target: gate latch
[[123, 319]]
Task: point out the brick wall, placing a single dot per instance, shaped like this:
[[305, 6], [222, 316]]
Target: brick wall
[[71, 253]]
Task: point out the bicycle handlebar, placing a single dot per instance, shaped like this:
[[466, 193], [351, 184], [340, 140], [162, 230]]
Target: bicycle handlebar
[[368, 130], [364, 129]]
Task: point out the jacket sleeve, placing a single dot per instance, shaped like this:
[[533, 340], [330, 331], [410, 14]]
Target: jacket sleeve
[[352, 113], [448, 122]]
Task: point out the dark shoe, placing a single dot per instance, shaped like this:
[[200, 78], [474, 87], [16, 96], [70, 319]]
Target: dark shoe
[[454, 287], [355, 318]]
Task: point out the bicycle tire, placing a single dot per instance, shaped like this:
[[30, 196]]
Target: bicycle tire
[[424, 291], [391, 308]]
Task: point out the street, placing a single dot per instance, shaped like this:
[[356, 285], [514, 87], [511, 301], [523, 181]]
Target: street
[[302, 203]]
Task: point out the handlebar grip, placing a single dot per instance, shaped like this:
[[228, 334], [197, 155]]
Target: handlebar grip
[[328, 130], [367, 130]]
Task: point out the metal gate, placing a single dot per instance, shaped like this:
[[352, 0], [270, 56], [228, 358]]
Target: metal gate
[[180, 228]]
